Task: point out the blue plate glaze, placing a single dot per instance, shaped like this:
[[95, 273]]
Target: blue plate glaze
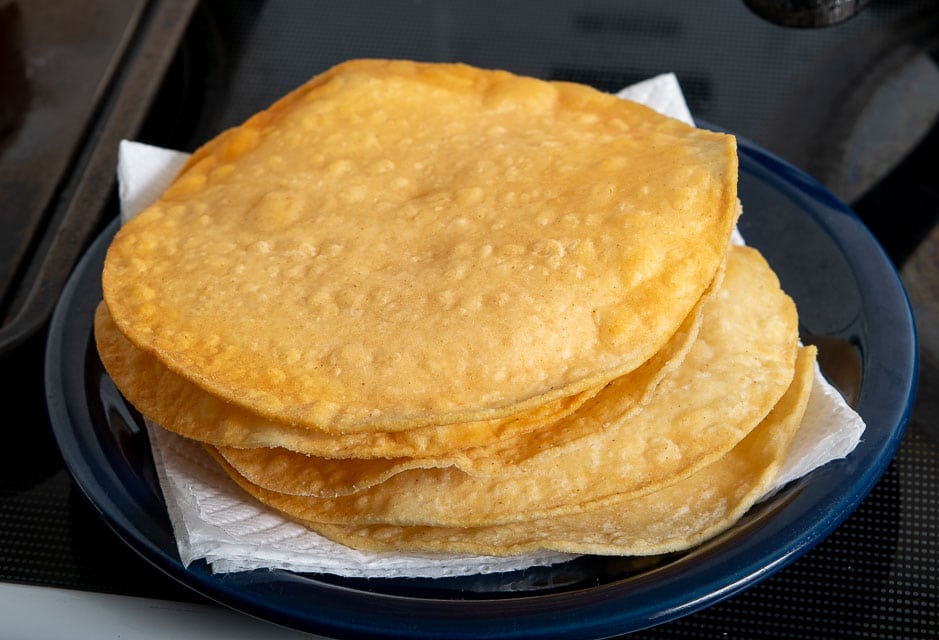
[[851, 303]]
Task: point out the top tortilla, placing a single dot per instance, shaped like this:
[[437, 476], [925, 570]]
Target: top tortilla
[[399, 244]]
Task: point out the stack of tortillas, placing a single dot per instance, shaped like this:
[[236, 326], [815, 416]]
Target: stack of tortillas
[[428, 307]]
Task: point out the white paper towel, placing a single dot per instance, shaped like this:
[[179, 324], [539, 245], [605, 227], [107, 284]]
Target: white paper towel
[[213, 519]]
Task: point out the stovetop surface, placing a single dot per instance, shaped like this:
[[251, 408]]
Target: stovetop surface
[[855, 105]]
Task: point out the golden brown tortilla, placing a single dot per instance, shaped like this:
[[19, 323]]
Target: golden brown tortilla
[[672, 519], [422, 244], [184, 408], [740, 365]]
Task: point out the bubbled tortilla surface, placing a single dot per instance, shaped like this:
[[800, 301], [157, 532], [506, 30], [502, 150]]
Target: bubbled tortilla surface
[[400, 244], [739, 366]]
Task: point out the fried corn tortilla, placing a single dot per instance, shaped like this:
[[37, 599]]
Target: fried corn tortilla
[[740, 365], [288, 472], [252, 443], [424, 244], [184, 408], [260, 449], [672, 519]]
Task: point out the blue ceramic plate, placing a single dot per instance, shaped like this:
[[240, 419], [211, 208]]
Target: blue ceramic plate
[[851, 303]]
